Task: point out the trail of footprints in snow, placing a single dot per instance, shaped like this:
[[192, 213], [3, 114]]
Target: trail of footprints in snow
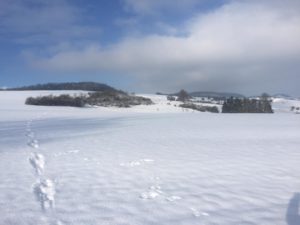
[[155, 190], [44, 188]]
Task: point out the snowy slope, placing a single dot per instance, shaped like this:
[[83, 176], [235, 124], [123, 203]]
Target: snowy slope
[[64, 165], [283, 105]]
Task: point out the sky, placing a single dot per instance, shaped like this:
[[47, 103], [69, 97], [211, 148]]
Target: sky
[[148, 46]]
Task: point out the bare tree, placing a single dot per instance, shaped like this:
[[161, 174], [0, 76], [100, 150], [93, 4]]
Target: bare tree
[[183, 96]]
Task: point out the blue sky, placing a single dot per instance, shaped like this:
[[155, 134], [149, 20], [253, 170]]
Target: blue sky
[[246, 46]]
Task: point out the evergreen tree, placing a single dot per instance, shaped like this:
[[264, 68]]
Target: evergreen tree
[[246, 105]]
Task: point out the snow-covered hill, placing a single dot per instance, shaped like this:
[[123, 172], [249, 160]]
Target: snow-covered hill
[[285, 105], [146, 165]]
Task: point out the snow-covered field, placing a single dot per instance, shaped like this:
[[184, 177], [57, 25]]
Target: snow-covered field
[[146, 165]]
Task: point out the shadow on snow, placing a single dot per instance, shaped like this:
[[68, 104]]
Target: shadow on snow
[[292, 214]]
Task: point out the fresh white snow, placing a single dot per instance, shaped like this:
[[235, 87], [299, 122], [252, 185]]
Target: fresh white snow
[[284, 105], [146, 165]]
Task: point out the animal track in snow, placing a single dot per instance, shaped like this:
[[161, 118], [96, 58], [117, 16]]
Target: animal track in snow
[[197, 213], [38, 163], [30, 134], [153, 192], [44, 191], [33, 143], [137, 163]]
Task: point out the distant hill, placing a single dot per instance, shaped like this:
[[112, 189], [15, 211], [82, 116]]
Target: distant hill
[[215, 94], [285, 96], [102, 95], [279, 95], [83, 86]]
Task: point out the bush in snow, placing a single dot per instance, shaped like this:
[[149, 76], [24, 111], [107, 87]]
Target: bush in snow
[[171, 98], [200, 108]]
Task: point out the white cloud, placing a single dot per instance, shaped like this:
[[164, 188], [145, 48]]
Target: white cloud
[[232, 48]]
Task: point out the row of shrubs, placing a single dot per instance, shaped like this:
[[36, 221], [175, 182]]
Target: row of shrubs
[[105, 98], [61, 100], [200, 108]]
